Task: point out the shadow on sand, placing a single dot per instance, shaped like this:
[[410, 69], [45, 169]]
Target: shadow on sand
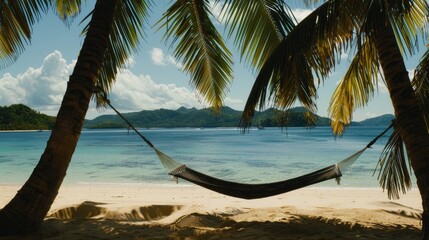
[[91, 220]]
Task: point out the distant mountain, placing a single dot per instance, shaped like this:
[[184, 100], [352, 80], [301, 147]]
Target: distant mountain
[[383, 120], [192, 117], [21, 117]]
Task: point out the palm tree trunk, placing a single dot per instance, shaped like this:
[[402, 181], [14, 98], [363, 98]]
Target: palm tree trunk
[[411, 124], [26, 211]]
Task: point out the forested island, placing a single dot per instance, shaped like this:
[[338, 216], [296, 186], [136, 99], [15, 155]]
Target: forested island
[[21, 117], [192, 117]]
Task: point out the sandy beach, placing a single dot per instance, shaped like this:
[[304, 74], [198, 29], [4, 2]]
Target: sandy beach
[[135, 211]]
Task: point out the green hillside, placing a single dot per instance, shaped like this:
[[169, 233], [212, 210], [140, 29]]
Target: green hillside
[[21, 117], [183, 117]]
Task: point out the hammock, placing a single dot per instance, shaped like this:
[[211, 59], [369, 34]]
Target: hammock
[[251, 191]]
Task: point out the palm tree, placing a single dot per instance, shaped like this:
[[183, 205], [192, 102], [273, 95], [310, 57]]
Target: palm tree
[[111, 36], [268, 40], [378, 32]]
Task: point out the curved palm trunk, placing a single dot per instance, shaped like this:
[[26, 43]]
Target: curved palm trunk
[[26, 211], [408, 114]]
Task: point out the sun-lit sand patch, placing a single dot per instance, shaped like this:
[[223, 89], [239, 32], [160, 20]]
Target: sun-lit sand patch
[[187, 212]]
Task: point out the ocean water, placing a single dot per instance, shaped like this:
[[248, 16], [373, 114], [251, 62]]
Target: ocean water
[[116, 156]]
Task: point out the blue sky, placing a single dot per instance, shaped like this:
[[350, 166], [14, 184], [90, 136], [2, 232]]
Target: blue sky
[[153, 79]]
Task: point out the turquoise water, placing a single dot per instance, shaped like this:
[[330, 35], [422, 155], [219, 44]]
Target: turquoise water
[[114, 156]]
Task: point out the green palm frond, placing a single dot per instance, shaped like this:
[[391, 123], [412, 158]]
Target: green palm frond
[[67, 9], [16, 20], [356, 88], [312, 48], [258, 27], [201, 48], [408, 19], [128, 24], [310, 119], [394, 175], [420, 84]]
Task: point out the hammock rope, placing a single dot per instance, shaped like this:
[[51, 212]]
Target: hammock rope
[[245, 190]]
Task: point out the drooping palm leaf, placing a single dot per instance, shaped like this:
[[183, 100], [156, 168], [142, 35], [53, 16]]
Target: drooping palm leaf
[[408, 19], [200, 47], [311, 48], [16, 21], [394, 173], [129, 21], [258, 27], [67, 9], [360, 81], [356, 88], [420, 84]]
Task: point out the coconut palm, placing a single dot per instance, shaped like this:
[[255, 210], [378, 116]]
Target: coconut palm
[[264, 32], [378, 33], [111, 36]]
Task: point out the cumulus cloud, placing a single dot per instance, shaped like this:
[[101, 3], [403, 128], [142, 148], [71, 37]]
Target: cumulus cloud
[[159, 58], [234, 103], [133, 92], [43, 88]]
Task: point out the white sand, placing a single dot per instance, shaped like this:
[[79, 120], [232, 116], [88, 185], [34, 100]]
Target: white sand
[[119, 211]]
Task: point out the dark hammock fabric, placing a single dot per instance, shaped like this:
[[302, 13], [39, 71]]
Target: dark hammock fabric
[[253, 191]]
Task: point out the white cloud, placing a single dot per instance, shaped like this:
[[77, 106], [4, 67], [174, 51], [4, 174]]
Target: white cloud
[[43, 88], [40, 88], [234, 103], [173, 61], [130, 63], [159, 58], [300, 13], [136, 92]]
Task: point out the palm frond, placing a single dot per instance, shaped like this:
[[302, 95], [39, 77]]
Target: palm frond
[[394, 172], [420, 84], [258, 27], [16, 21], [356, 88], [67, 10], [201, 48], [310, 119], [408, 20], [312, 48], [129, 20]]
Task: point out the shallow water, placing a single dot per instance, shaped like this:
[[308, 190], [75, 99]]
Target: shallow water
[[114, 156]]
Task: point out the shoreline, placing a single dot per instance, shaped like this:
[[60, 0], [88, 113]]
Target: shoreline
[[170, 211], [309, 197], [23, 131]]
